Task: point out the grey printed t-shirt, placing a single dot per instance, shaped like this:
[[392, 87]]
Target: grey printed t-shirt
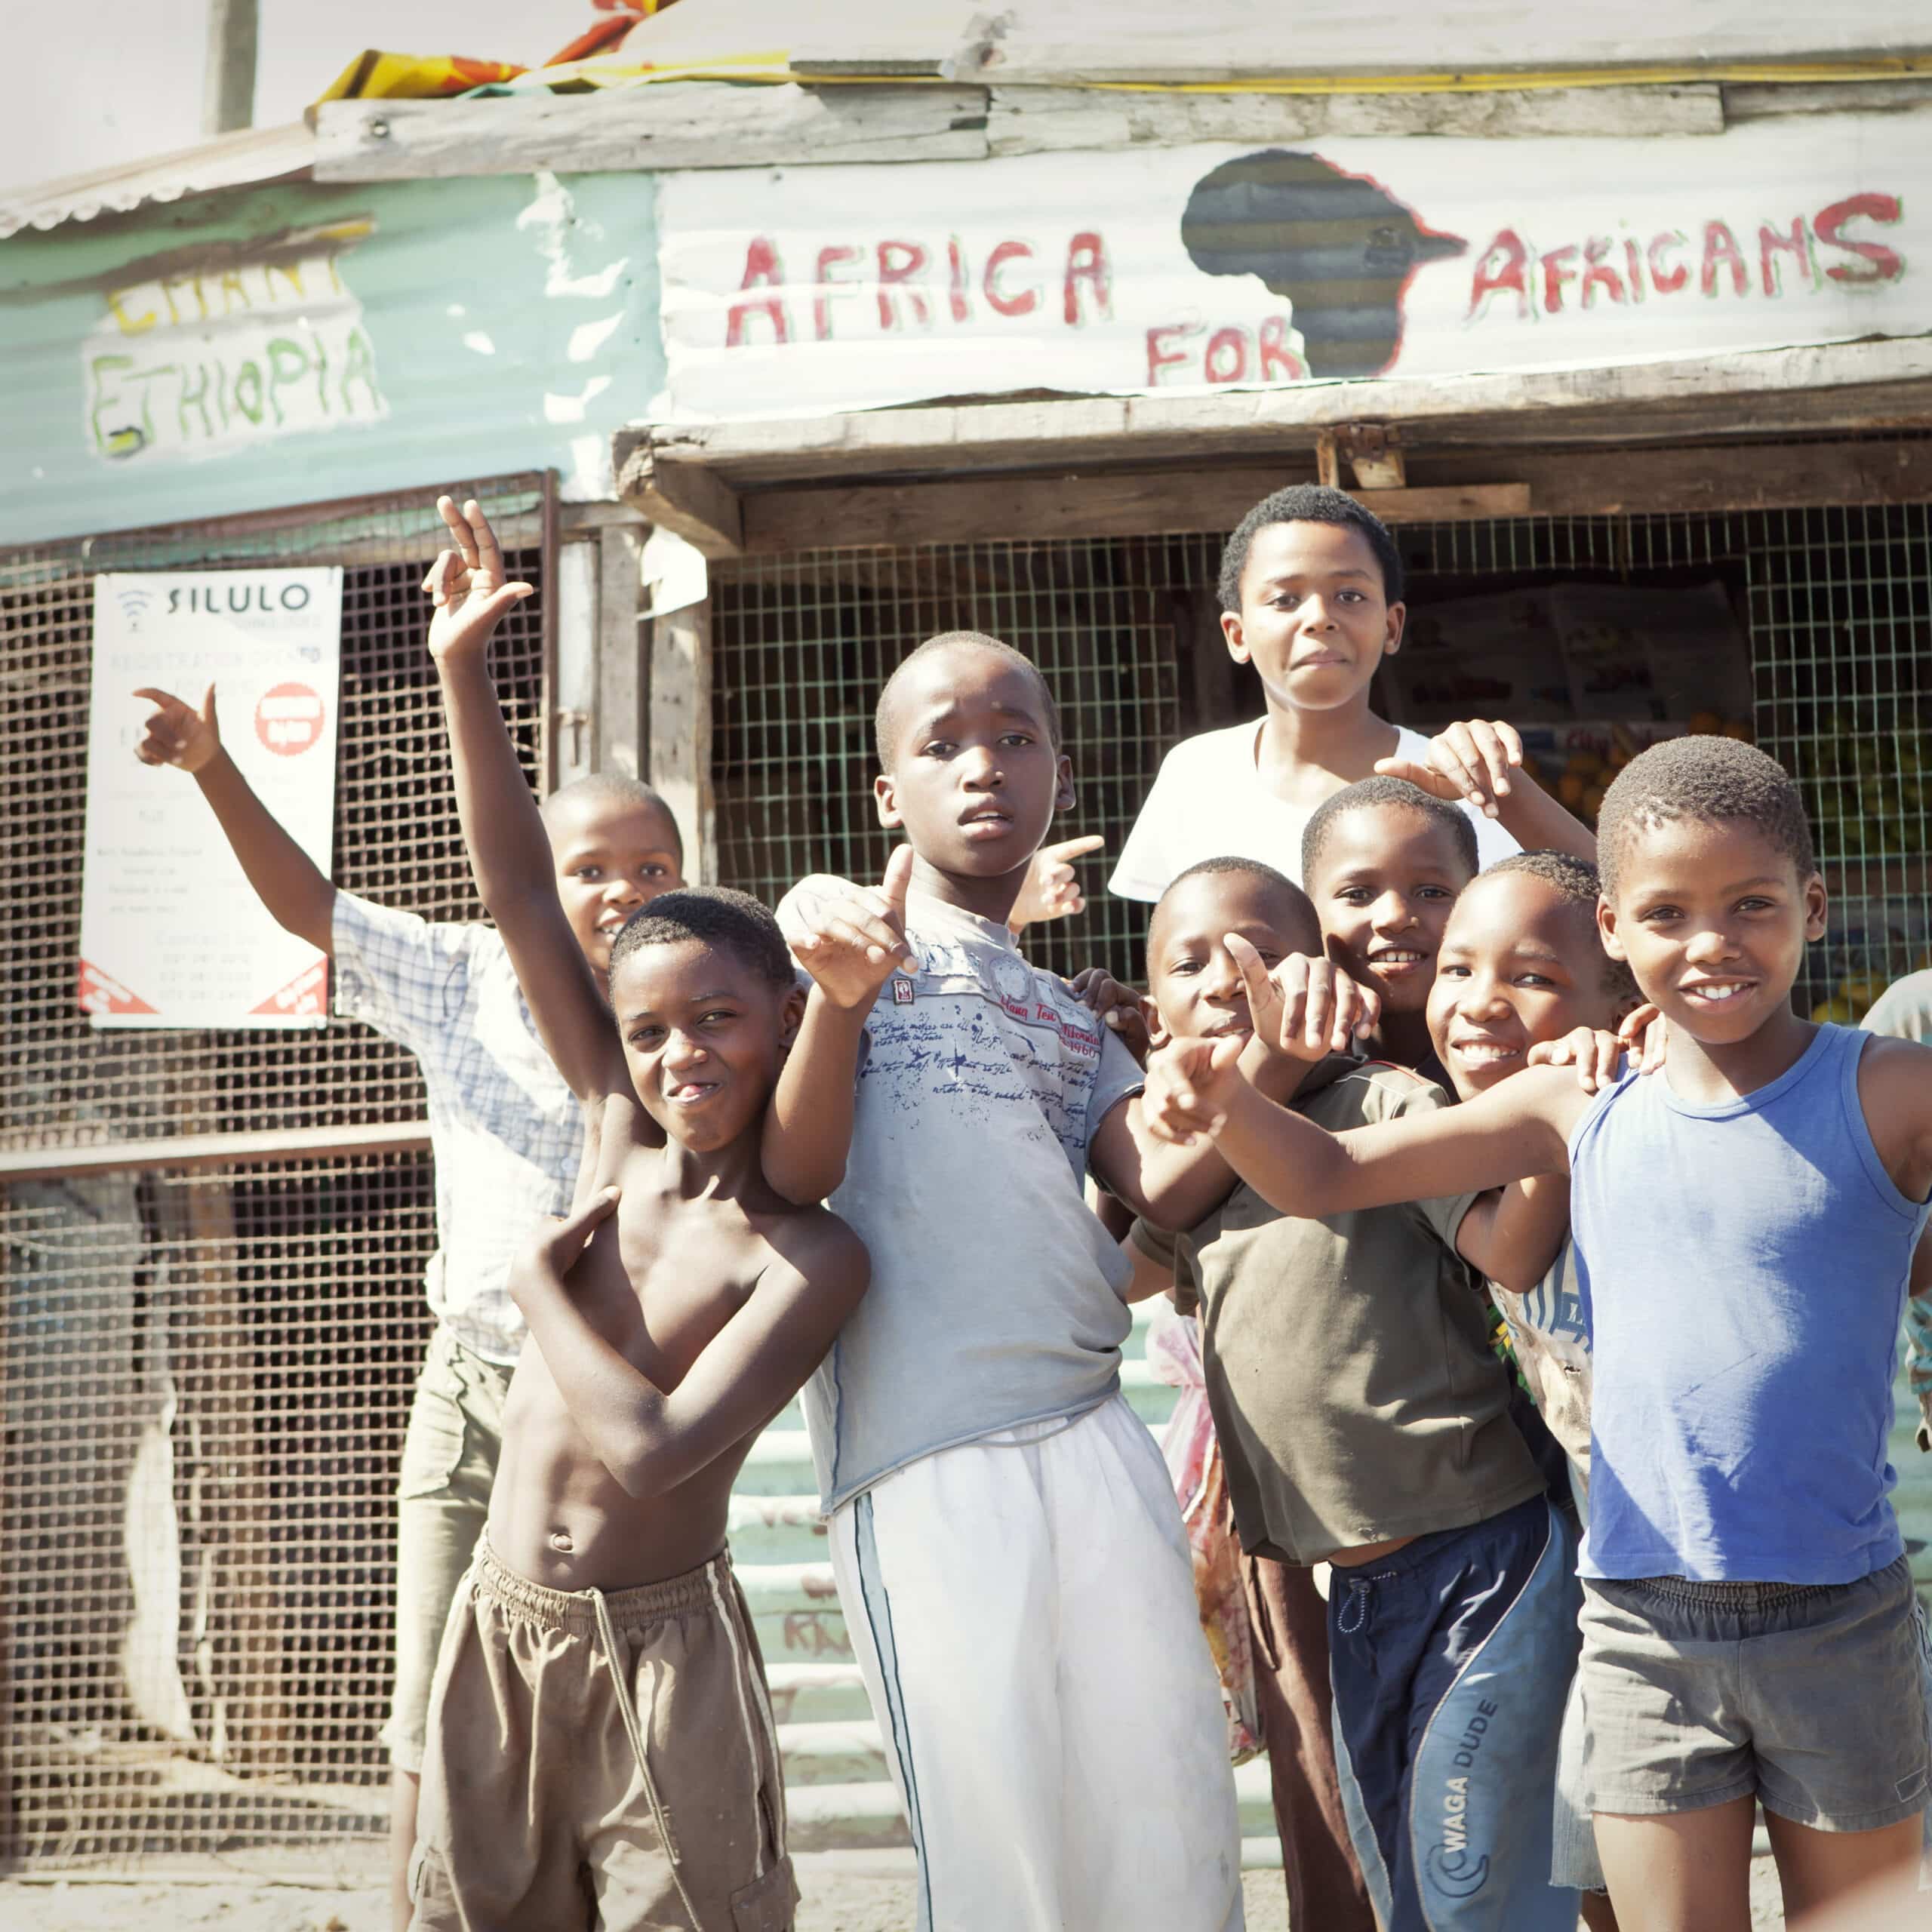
[[995, 1297], [1354, 1394]]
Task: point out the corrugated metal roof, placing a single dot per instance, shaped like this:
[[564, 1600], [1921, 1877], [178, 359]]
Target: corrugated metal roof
[[233, 161]]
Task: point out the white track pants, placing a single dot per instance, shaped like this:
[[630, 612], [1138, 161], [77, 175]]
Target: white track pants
[[1023, 1610]]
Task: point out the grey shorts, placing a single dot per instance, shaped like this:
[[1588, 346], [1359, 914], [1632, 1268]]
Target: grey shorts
[[1809, 1696]]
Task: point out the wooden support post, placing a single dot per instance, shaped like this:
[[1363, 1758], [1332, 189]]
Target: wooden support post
[[228, 87], [680, 737], [618, 736], [686, 498]]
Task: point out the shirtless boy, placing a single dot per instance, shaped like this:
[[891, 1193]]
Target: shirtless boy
[[601, 1748]]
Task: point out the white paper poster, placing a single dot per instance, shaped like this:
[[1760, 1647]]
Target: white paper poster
[[798, 291], [171, 932]]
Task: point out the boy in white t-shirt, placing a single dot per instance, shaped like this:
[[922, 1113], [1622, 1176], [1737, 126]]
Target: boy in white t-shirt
[[1311, 590]]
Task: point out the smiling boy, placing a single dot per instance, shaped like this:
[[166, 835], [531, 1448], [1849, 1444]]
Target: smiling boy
[[1750, 1633], [1008, 1553]]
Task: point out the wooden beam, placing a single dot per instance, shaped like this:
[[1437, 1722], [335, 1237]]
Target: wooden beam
[[618, 726], [213, 1150], [1876, 383], [686, 498], [1048, 120], [1450, 488], [693, 123], [228, 82], [1743, 101], [680, 758]]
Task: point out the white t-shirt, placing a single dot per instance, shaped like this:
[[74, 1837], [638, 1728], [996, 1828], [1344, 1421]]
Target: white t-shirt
[[995, 1298], [1208, 802]]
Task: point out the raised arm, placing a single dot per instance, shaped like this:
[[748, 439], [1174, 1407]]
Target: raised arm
[[650, 1441], [1518, 1128], [1479, 763], [850, 945], [510, 852], [299, 897]]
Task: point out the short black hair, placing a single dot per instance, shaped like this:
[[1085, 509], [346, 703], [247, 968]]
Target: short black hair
[[1575, 881], [1300, 907], [619, 788], [1711, 780], [715, 916], [1309, 502], [1380, 791], [885, 718]]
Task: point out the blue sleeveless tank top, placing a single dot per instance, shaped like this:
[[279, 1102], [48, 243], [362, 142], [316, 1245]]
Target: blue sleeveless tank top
[[1742, 1269]]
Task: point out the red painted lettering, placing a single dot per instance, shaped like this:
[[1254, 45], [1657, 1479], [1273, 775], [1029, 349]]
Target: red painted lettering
[[761, 271], [1276, 356], [900, 263], [1159, 357], [1597, 271], [1556, 273], [1667, 281], [1720, 249], [1503, 267], [1633, 263], [1882, 264], [828, 260], [1086, 261], [1022, 303], [955, 259], [1773, 241], [1226, 359]]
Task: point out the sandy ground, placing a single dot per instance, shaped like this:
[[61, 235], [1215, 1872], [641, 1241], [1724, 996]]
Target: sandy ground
[[862, 1892]]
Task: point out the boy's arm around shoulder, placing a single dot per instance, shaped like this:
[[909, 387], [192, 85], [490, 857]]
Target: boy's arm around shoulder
[[509, 851], [651, 1440]]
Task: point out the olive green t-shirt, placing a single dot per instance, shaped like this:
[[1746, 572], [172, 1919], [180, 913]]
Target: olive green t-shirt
[[1354, 1394]]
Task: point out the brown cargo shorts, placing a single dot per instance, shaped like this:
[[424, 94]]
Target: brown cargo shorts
[[600, 1759]]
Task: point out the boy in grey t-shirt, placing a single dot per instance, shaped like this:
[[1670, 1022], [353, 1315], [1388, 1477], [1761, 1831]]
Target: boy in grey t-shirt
[[1009, 1554]]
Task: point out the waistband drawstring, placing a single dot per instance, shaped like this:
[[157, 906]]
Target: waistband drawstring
[[620, 1678], [1357, 1603]]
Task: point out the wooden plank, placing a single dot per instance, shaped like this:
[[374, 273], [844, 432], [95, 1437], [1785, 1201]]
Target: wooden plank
[[691, 124], [1046, 120], [617, 735], [1877, 383], [574, 695], [213, 1150], [680, 756], [686, 498], [228, 83], [1745, 101]]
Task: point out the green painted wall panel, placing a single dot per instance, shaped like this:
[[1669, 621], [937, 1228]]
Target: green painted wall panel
[[265, 346]]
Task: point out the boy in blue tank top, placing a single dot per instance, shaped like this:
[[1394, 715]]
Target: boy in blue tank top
[[1743, 1225]]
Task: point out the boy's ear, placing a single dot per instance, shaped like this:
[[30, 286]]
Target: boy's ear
[[791, 1017], [1391, 639], [1158, 1035], [1816, 906], [1607, 930], [1231, 630], [885, 797], [1063, 792]]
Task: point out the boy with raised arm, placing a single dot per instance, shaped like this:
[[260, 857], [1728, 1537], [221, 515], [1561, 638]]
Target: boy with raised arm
[[1750, 1630], [601, 1749], [505, 1131], [1009, 1554]]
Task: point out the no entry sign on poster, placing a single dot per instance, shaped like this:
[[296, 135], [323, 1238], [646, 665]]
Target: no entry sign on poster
[[171, 932]]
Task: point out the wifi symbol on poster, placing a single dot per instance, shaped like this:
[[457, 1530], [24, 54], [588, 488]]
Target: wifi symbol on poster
[[134, 602]]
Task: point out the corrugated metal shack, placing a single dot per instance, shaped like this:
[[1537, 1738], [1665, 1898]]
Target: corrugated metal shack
[[941, 324]]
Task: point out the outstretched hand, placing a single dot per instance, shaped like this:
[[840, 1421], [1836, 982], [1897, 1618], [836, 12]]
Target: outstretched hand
[[1307, 1007], [177, 733], [1124, 1012], [550, 1254], [1189, 1085], [1469, 763], [1052, 890], [465, 584], [853, 945]]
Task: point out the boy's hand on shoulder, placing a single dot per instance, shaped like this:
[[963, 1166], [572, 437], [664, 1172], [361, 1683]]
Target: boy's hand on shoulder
[[177, 733], [1190, 1083], [466, 585], [1596, 1054], [1307, 1007], [1469, 763], [1052, 890], [550, 1253], [853, 945], [1124, 1012]]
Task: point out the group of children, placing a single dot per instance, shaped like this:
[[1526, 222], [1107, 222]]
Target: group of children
[[1721, 1246]]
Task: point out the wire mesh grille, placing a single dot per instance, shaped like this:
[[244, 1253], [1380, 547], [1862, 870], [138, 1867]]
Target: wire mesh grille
[[1836, 603], [61, 1083], [205, 1376]]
